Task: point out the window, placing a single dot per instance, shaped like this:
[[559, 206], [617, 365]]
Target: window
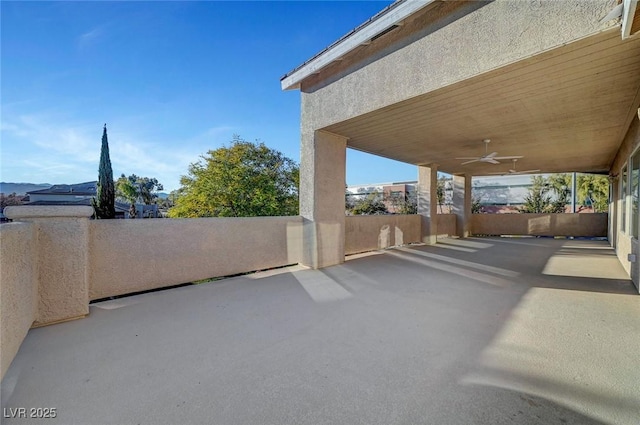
[[623, 198]]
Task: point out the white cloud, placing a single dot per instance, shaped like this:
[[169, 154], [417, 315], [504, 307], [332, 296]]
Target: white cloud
[[72, 141], [49, 148], [91, 37]]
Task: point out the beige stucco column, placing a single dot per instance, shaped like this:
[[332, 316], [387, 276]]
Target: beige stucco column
[[462, 204], [61, 251], [428, 202], [322, 195]]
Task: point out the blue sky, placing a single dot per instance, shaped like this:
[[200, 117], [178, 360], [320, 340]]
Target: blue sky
[[172, 80]]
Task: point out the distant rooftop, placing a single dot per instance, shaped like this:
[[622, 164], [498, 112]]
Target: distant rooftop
[[87, 189]]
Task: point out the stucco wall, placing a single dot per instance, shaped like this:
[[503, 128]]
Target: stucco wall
[[471, 40], [18, 288], [623, 249], [623, 244], [135, 255], [446, 224], [61, 252], [540, 224], [371, 232]]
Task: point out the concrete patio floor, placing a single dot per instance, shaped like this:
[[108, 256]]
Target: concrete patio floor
[[473, 331]]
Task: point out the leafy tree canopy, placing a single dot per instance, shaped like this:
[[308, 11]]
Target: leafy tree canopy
[[552, 194], [538, 199], [593, 191], [476, 204], [403, 203], [371, 204], [137, 189], [243, 179], [10, 200]]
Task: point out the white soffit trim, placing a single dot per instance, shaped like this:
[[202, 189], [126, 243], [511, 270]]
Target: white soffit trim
[[628, 12], [363, 36]]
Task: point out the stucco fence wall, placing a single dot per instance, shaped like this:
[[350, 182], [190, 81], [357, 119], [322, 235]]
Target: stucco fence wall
[[18, 287], [446, 225], [136, 255], [540, 224], [371, 232]]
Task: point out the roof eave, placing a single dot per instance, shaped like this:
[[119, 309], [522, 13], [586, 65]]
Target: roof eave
[[363, 35]]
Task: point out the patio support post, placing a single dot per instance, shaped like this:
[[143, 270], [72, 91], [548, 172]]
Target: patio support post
[[62, 257], [428, 202], [322, 198], [462, 204]]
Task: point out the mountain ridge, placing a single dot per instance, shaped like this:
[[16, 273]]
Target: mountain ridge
[[22, 188]]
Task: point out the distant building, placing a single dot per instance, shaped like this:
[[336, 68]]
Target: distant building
[[81, 194], [508, 191], [64, 194], [386, 191], [498, 194], [390, 192]]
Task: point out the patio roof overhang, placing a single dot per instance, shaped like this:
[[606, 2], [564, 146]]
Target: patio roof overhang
[[382, 22], [566, 109]]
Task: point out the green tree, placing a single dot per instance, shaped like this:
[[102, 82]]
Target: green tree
[[103, 204], [371, 204], [593, 191], [168, 202], [476, 204], [10, 200], [559, 185], [349, 203], [401, 202], [408, 205], [125, 190], [538, 199], [133, 188], [441, 192], [243, 179]]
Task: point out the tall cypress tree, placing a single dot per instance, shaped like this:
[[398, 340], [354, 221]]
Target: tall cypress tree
[[104, 204]]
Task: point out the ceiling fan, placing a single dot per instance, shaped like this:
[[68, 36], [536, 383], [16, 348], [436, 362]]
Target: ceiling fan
[[513, 171], [491, 158]]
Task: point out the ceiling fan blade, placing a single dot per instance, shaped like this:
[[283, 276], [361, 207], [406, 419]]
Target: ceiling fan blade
[[508, 157], [469, 162], [491, 161], [469, 157], [526, 172], [491, 155]]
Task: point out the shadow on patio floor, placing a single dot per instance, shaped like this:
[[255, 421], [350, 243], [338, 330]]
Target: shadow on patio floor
[[407, 336]]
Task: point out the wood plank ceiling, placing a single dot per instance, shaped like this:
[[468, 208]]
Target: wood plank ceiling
[[566, 109]]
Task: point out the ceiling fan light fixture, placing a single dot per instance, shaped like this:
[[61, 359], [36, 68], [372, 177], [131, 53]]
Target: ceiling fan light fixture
[[491, 158]]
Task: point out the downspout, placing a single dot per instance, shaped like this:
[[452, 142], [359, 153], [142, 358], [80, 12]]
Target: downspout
[[628, 14], [573, 192]]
